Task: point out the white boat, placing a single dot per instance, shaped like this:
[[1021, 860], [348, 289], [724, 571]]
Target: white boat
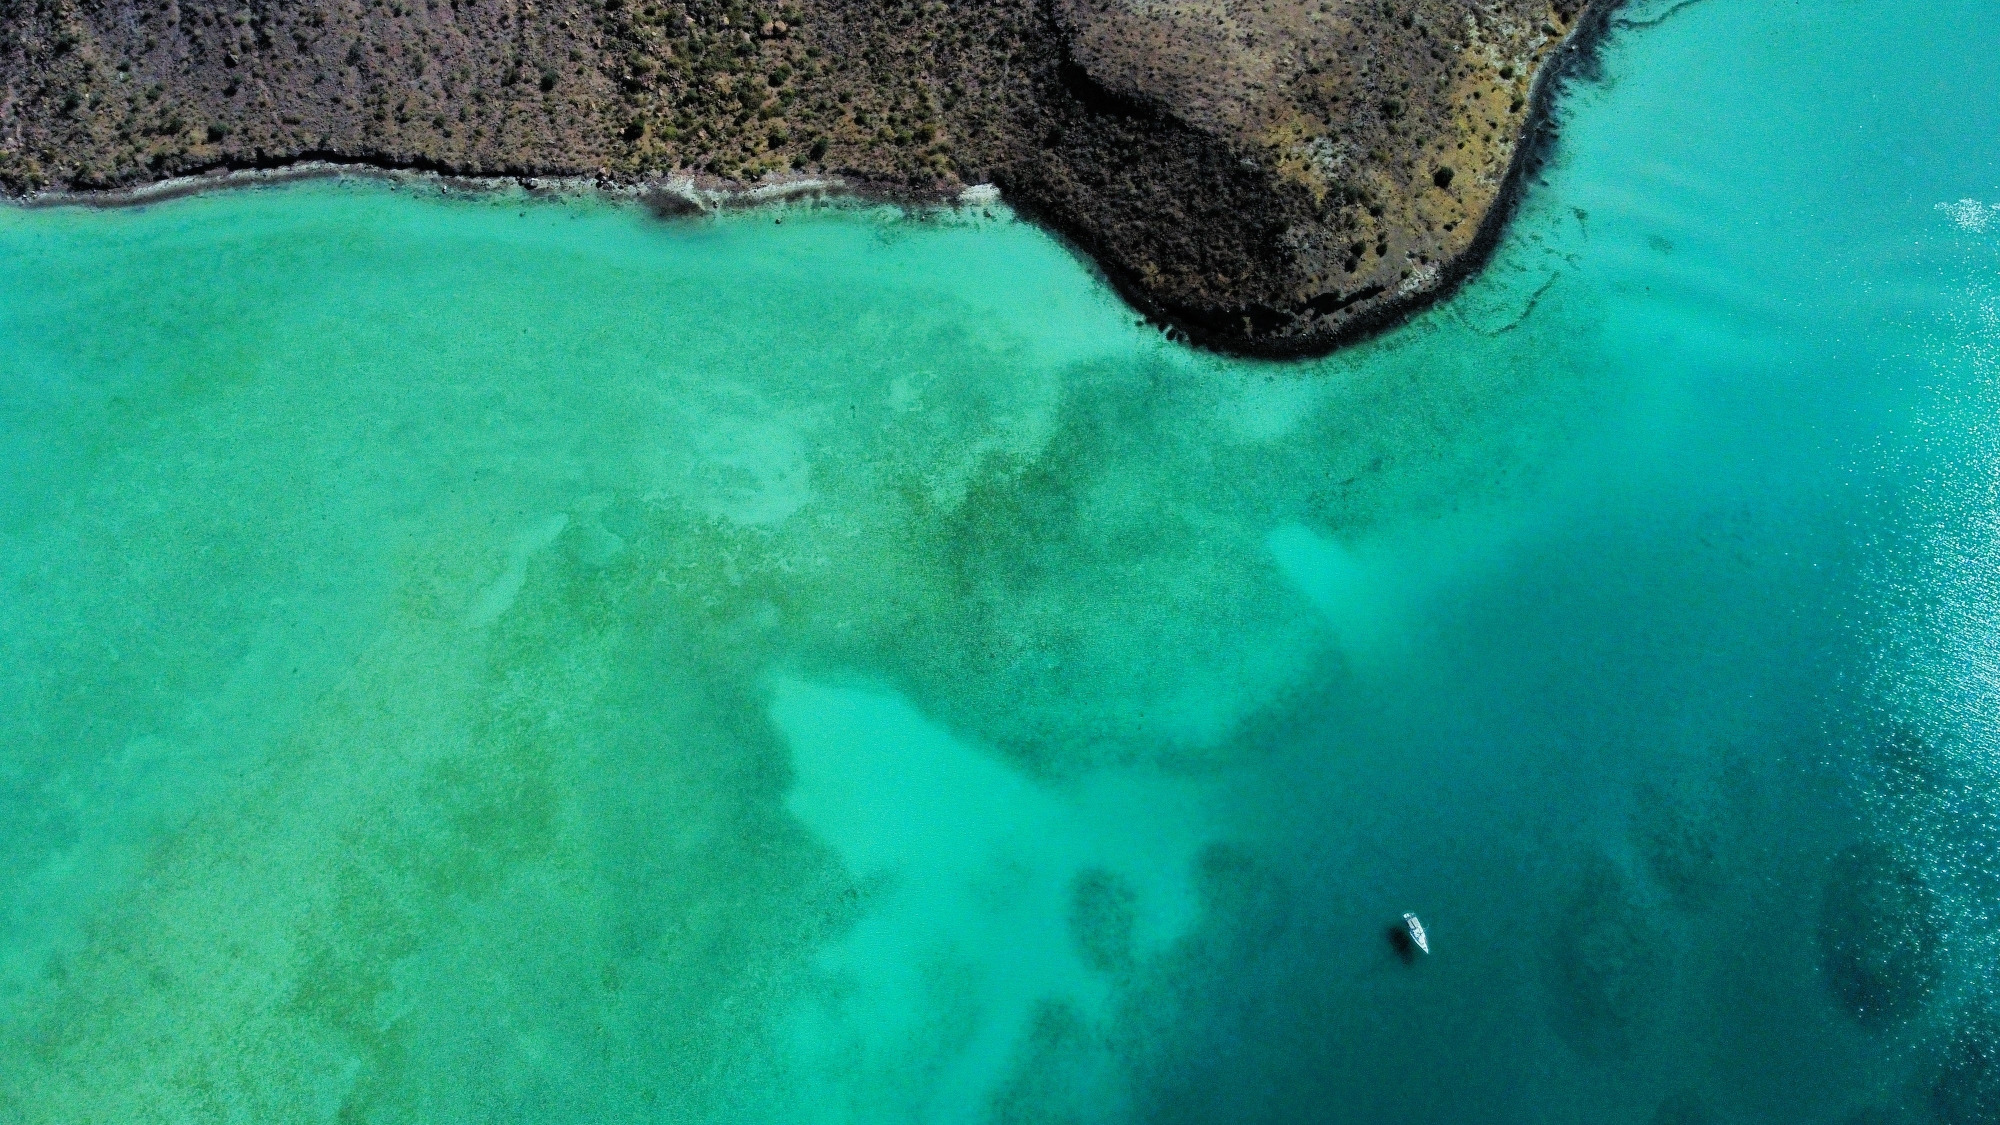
[[1417, 932]]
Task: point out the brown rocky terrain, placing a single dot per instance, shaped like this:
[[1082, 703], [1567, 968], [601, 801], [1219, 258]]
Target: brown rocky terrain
[[1269, 175]]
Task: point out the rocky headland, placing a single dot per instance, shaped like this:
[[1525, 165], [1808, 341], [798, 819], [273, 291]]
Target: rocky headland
[[1269, 176]]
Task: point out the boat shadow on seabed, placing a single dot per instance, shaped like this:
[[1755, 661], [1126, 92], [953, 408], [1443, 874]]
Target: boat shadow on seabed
[[1407, 938]]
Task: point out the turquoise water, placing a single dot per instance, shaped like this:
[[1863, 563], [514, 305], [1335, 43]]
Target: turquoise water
[[485, 660]]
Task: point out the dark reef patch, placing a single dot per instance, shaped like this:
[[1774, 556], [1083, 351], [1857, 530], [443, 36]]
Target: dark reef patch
[[1607, 966], [1677, 831], [1103, 909], [1878, 935], [1966, 1090], [1684, 1107]]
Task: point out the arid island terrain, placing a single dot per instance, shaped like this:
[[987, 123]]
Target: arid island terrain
[[1268, 176]]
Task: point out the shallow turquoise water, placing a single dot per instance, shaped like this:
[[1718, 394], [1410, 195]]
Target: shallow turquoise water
[[488, 660]]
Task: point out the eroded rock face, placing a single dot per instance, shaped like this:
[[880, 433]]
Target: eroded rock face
[[1272, 175], [1382, 135]]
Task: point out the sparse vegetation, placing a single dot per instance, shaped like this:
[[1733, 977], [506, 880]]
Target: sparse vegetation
[[1126, 148]]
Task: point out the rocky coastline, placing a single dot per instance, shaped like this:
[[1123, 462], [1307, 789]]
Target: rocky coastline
[[1274, 180]]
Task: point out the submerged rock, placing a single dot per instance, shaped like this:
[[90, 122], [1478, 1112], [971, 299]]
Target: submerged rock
[[1608, 966], [1678, 835], [1967, 1088], [1684, 1108], [1103, 913], [1878, 935]]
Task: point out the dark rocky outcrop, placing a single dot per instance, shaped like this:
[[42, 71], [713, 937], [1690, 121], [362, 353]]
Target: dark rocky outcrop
[[1270, 175]]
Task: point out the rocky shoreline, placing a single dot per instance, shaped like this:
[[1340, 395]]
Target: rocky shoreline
[[1239, 211]]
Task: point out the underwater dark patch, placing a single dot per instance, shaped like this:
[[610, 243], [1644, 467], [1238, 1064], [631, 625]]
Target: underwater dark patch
[[1878, 935], [1607, 966]]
